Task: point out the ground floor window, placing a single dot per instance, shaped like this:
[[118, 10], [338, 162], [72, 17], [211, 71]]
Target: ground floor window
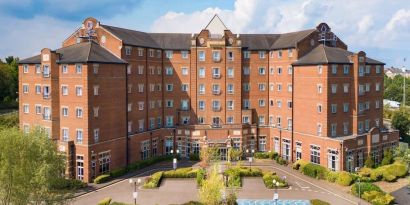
[[276, 144], [195, 146], [104, 160], [349, 162], [262, 144], [298, 150], [286, 149], [80, 167], [375, 157], [333, 160], [359, 159], [252, 143], [169, 145], [145, 149], [236, 143], [154, 147], [315, 154]]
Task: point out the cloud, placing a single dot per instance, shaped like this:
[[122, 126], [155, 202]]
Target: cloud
[[365, 24]]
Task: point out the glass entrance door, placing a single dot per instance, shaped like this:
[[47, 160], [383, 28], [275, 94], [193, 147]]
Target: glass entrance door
[[223, 153]]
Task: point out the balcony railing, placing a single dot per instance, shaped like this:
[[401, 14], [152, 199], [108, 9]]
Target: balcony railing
[[216, 92], [216, 109], [46, 96], [216, 76]]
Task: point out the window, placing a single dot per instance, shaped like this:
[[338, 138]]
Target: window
[[290, 52], [345, 128], [276, 145], [230, 73], [262, 71], [345, 107], [360, 127], [215, 89], [201, 72], [96, 135], [25, 88], [290, 123], [334, 108], [367, 125], [230, 88], [261, 54], [79, 112], [151, 52], [367, 86], [290, 104], [140, 69], [278, 121], [159, 122], [271, 70], [367, 69], [159, 70], [377, 86], [279, 53], [184, 54], [216, 105], [345, 69], [151, 123], [286, 149], [141, 125], [169, 103], [290, 70], [361, 89], [245, 119], [79, 90], [184, 87], [129, 69], [201, 120], [184, 104], [95, 110], [169, 71], [159, 53], [246, 70], [334, 69], [169, 87], [261, 120], [279, 85], [185, 71], [262, 103], [201, 89], [279, 70], [46, 92], [140, 52], [319, 129], [96, 89], [289, 87], [25, 68], [140, 105], [378, 69], [104, 161], [345, 87], [262, 86], [38, 109], [216, 56], [333, 129], [64, 133], [201, 105], [319, 108], [298, 150], [79, 136], [230, 55], [25, 108], [128, 50], [361, 70], [229, 120], [319, 88], [168, 54], [279, 103], [229, 104], [377, 104], [141, 88], [271, 54], [271, 86], [319, 69], [46, 71], [377, 122], [246, 104], [216, 121], [64, 111], [95, 68], [334, 88], [216, 73], [333, 159], [246, 87], [64, 69], [38, 89], [246, 54], [315, 154], [201, 55], [78, 68]]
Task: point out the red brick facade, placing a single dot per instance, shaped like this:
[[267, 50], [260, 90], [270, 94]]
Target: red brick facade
[[215, 91]]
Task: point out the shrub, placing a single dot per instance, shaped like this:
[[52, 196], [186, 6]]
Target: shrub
[[234, 177], [365, 172], [332, 176], [273, 155], [102, 178], [105, 201], [281, 161], [194, 157], [388, 157], [118, 203], [144, 163], [377, 174], [268, 178], [370, 195], [200, 176], [318, 202], [298, 165], [153, 181], [369, 163], [397, 169], [69, 184], [389, 178], [261, 155], [118, 172], [180, 173], [364, 187], [247, 172], [344, 179], [314, 170], [378, 198]]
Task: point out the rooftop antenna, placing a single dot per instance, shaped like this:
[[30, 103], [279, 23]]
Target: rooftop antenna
[[89, 31]]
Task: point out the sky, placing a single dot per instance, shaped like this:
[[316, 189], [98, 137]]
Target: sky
[[381, 28]]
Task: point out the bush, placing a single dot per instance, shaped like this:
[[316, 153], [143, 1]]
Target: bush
[[299, 164], [194, 157], [180, 173], [153, 181], [377, 174], [102, 178], [69, 184], [200, 176], [234, 177], [332, 176], [261, 155], [314, 170], [369, 163], [118, 203], [389, 178], [364, 187], [144, 163], [378, 198], [365, 172], [281, 161], [247, 172], [344, 179], [268, 178], [388, 158], [318, 202], [118, 172], [397, 169], [105, 201]]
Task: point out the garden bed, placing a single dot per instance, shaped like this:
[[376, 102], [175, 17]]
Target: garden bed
[[154, 180]]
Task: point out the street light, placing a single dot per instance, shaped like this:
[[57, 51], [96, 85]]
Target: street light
[[135, 183], [275, 195], [250, 158], [175, 160], [356, 169]]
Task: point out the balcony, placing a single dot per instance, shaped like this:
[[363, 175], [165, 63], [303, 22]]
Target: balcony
[[216, 109], [216, 92], [46, 96], [216, 76]]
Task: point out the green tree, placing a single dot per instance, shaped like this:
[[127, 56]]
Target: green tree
[[393, 88], [212, 188], [9, 82], [401, 121], [30, 169], [387, 157], [369, 163]]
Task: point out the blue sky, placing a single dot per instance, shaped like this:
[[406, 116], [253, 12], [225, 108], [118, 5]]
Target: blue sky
[[378, 27]]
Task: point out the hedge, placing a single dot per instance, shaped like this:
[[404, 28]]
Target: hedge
[[344, 179], [69, 184], [144, 163], [268, 178], [318, 202], [235, 173], [180, 173], [105, 201], [118, 172], [387, 173], [194, 157], [332, 176], [378, 198], [364, 187], [281, 161], [102, 178], [314, 170], [299, 164], [153, 181], [266, 155], [200, 176]]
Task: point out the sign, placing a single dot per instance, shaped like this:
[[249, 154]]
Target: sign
[[250, 159], [135, 195], [275, 196]]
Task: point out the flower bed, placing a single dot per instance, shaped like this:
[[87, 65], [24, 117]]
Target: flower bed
[[372, 193], [268, 178]]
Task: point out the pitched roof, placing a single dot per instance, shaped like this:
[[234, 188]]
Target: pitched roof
[[326, 55], [289, 40], [172, 41], [86, 52], [258, 41], [132, 37]]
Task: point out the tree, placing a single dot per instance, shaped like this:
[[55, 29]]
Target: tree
[[208, 154], [9, 82], [30, 169], [212, 188], [387, 157], [369, 163], [401, 121]]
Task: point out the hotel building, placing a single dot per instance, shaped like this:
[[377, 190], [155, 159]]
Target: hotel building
[[112, 96]]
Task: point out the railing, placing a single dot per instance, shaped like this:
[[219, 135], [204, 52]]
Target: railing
[[216, 76], [46, 96], [217, 109], [216, 92]]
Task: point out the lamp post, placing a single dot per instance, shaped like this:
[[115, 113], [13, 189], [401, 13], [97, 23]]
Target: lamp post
[[356, 169], [175, 160], [250, 158], [275, 195], [135, 183]]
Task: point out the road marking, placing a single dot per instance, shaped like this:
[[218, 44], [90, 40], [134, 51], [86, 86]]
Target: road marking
[[352, 202], [303, 187]]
